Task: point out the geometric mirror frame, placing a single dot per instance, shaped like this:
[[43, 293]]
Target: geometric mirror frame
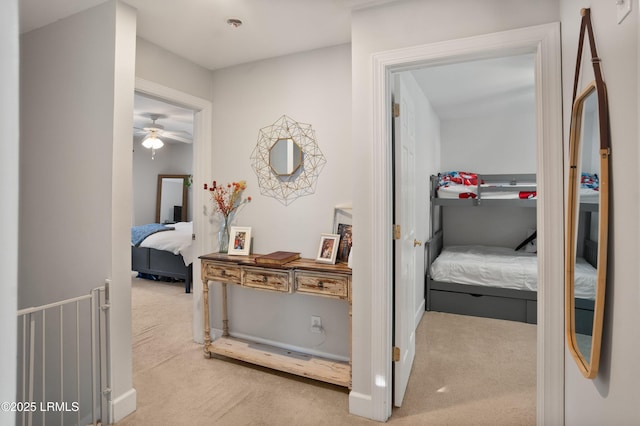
[[587, 214], [287, 160]]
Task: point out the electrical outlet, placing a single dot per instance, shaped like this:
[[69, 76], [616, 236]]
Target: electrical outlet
[[316, 324]]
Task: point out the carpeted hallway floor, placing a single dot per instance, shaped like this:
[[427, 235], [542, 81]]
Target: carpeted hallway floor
[[467, 371]]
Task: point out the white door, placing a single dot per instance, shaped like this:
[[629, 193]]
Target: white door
[[407, 248]]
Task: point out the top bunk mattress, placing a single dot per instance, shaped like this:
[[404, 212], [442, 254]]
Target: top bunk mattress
[[462, 185], [502, 267]]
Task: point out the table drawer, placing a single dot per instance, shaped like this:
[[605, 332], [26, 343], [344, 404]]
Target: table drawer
[[267, 279], [330, 285], [223, 272]]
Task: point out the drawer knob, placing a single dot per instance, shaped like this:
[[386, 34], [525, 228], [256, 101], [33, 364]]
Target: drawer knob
[[264, 278], [223, 272], [320, 284]]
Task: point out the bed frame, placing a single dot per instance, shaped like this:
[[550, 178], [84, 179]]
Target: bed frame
[[162, 263], [483, 301], [498, 182]]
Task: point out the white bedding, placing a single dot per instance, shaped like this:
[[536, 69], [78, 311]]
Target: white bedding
[[177, 241], [588, 195], [501, 267], [454, 191]]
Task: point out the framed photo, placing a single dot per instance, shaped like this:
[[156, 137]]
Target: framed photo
[[344, 248], [240, 240], [328, 249]]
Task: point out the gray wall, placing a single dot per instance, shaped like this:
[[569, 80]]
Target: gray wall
[[171, 159], [495, 136], [376, 30], [314, 88], [76, 120], [610, 398], [9, 175]]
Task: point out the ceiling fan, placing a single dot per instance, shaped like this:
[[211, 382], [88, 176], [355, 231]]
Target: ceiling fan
[[153, 132]]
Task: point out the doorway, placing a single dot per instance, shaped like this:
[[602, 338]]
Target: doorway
[[171, 127], [476, 117], [544, 42], [202, 171]]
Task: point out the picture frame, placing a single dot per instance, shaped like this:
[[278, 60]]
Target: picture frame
[[328, 248], [240, 240], [342, 225], [342, 214], [346, 242]]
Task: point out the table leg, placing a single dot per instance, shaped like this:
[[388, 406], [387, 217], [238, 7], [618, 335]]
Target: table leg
[[225, 317], [207, 329]]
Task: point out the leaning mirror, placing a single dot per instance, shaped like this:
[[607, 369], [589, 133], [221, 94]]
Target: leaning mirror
[[171, 199], [587, 216]]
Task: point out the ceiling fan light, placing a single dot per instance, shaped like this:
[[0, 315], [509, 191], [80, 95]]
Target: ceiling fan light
[[147, 143], [152, 142], [157, 143]]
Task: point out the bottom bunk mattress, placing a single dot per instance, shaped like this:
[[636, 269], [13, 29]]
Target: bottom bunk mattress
[[494, 282], [502, 267]]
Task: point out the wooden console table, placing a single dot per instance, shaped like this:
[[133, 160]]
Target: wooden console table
[[299, 276]]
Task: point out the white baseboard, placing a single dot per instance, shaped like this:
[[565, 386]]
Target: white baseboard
[[360, 404], [218, 332], [123, 405]]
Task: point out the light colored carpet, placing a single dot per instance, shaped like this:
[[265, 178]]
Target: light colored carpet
[[467, 371]]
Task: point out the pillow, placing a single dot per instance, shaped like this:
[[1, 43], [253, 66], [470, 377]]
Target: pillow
[[530, 243]]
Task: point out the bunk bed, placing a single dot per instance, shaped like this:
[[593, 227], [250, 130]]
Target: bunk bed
[[493, 282], [166, 251], [464, 189]]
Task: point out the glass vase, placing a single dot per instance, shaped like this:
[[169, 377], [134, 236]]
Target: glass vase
[[224, 232]]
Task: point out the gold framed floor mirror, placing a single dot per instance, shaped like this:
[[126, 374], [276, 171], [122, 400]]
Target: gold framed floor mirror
[[171, 198], [587, 212]]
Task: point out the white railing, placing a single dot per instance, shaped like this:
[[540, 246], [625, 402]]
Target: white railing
[[63, 367]]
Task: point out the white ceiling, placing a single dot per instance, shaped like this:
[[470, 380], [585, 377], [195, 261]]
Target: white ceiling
[[197, 31], [479, 87]]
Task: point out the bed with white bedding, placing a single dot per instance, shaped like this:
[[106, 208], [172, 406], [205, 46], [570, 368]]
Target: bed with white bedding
[[494, 282], [164, 251], [502, 267]]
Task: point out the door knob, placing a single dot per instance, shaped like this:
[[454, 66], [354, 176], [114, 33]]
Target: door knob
[[417, 243]]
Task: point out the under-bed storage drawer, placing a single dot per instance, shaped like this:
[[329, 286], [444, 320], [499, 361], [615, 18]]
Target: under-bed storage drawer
[[266, 279], [479, 305], [330, 285], [223, 272]]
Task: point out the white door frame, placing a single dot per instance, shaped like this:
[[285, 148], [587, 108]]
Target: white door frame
[[202, 172], [544, 41]]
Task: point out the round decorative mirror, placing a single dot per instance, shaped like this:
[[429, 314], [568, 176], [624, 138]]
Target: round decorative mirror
[[285, 157]]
